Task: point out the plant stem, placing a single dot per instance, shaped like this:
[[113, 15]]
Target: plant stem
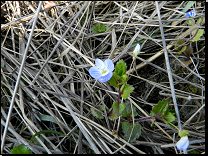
[[142, 119], [154, 117], [119, 95]]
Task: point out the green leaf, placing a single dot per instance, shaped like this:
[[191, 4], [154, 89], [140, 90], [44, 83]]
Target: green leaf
[[107, 28], [112, 116], [193, 152], [183, 133], [124, 79], [96, 113], [127, 127], [182, 50], [127, 90], [199, 21], [121, 68], [21, 149], [113, 81], [95, 29], [191, 22], [168, 116], [45, 131], [128, 111], [122, 106], [101, 28], [178, 43], [198, 34], [159, 108], [101, 108], [47, 118]]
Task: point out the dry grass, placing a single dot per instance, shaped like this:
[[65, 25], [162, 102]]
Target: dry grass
[[56, 92]]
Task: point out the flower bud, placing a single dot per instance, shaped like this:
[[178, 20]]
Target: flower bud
[[183, 143], [137, 50]]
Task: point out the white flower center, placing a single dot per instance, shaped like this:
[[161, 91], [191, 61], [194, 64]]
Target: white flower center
[[104, 71]]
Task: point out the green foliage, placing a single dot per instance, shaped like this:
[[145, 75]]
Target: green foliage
[[198, 34], [95, 29], [128, 111], [113, 81], [191, 22], [114, 111], [193, 152], [45, 131], [21, 149], [160, 108], [168, 116], [121, 68], [127, 90], [178, 43], [183, 133], [47, 118], [124, 79], [101, 108], [99, 29], [96, 113], [127, 127], [199, 21]]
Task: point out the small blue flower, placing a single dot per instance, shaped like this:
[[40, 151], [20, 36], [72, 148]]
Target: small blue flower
[[183, 143], [103, 71], [190, 13]]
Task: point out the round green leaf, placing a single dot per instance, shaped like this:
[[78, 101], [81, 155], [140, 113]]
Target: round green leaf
[[127, 127], [21, 149]]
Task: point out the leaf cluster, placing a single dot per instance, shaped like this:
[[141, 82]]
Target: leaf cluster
[[21, 149], [161, 110], [120, 78], [197, 32], [99, 29]]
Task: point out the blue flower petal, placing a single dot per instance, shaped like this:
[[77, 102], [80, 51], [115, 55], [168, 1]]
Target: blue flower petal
[[106, 77], [95, 72], [99, 63], [183, 143], [109, 65], [137, 48], [186, 145]]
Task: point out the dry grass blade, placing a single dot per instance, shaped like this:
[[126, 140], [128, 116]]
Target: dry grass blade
[[47, 50]]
